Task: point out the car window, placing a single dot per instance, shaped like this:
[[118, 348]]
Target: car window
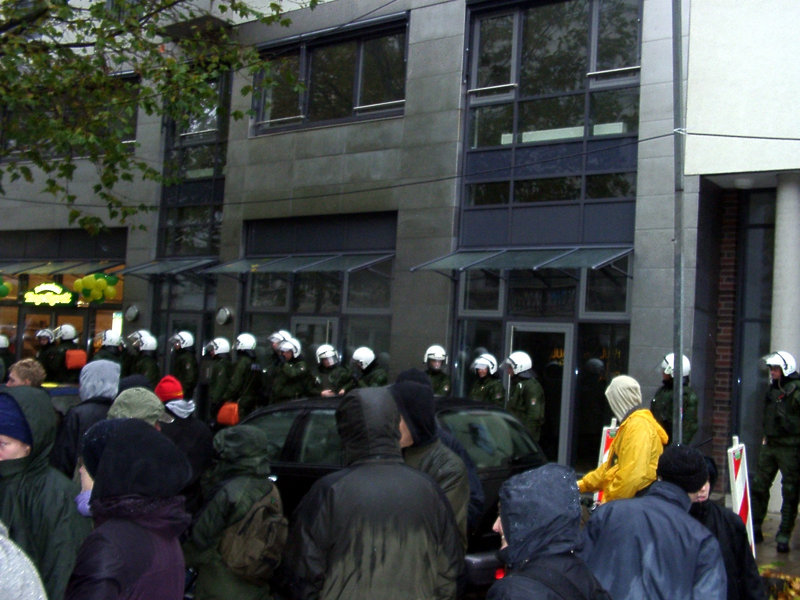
[[276, 425], [321, 444], [491, 438]]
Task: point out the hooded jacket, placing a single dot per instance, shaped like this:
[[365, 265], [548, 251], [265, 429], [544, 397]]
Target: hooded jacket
[[541, 514], [133, 553], [98, 385], [428, 454], [237, 480], [18, 577], [377, 528], [37, 502], [649, 547], [632, 458]]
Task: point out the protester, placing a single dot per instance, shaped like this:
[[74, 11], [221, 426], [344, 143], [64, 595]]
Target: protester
[[27, 371], [140, 403], [539, 527], [189, 433], [97, 388], [237, 480], [422, 449], [649, 546], [37, 501], [19, 579], [638, 443], [134, 552], [377, 528], [744, 580]]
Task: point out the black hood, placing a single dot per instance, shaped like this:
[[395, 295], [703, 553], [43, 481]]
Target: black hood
[[416, 405], [38, 411], [133, 458], [368, 424]]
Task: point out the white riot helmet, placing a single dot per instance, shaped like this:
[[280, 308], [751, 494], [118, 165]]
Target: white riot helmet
[[290, 345], [66, 332], [3, 342], [279, 336], [435, 353], [245, 341], [149, 343], [519, 362], [327, 351], [182, 340], [485, 361], [109, 337], [668, 365], [218, 345], [136, 339], [46, 333], [783, 360], [363, 357]]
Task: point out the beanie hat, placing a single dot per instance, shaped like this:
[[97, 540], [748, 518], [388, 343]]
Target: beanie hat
[[684, 466], [414, 375], [13, 422], [623, 395], [418, 409], [139, 403], [169, 388]]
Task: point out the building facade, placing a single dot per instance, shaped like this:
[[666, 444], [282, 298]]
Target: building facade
[[488, 176]]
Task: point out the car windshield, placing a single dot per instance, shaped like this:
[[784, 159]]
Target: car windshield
[[491, 438]]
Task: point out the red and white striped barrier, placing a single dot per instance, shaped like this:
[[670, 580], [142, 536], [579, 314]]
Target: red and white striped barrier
[[609, 432], [740, 487]]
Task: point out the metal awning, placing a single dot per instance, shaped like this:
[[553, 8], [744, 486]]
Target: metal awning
[[572, 257], [297, 263], [167, 266], [53, 267]]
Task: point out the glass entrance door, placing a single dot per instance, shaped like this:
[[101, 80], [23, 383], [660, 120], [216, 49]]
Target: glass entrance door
[[314, 331], [550, 346]]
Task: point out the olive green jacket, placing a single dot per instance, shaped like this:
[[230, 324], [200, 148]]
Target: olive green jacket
[[293, 380], [489, 390], [526, 402], [662, 405]]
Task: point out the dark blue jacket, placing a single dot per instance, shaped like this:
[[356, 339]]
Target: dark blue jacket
[[649, 547]]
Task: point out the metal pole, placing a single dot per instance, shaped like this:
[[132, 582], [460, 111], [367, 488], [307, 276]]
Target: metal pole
[[677, 106]]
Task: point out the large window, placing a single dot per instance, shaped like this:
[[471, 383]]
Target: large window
[[362, 75]]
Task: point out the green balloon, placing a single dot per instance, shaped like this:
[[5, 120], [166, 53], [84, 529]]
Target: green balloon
[[99, 275], [112, 280], [86, 293], [4, 289]]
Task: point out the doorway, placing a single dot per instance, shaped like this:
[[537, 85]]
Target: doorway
[[551, 347], [314, 331]]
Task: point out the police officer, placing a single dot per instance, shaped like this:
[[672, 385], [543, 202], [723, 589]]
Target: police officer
[[780, 447], [109, 346], [526, 396], [366, 370], [330, 376], [661, 404], [487, 387], [293, 379], [435, 358], [68, 340], [246, 382], [184, 362], [219, 349], [144, 361], [47, 354], [6, 358]]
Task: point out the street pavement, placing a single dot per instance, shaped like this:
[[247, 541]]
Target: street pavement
[[768, 556]]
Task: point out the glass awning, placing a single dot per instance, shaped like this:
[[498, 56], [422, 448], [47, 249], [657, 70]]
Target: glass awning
[[573, 257], [53, 267], [167, 266], [297, 263]]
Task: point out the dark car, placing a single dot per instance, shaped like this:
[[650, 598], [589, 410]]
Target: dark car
[[304, 445]]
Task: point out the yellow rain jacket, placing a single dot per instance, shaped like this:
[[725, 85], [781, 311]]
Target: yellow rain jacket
[[632, 458]]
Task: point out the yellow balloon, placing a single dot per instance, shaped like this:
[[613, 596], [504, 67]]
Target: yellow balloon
[[88, 282], [96, 294], [100, 284], [78, 285], [110, 292]]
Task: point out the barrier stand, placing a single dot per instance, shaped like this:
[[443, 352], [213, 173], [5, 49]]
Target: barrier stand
[[740, 487], [609, 432]]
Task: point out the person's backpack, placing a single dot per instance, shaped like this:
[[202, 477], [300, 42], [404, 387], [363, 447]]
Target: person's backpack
[[550, 572], [252, 547]]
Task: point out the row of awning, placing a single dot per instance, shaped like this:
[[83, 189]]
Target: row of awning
[[572, 257]]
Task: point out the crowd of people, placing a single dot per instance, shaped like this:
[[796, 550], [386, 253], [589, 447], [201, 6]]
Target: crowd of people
[[130, 494]]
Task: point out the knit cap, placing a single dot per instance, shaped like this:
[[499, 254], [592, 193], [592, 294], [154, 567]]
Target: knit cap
[[13, 422], [684, 466], [139, 403], [169, 388], [623, 395]]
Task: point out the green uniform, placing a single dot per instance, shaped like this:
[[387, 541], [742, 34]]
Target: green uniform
[[245, 385], [779, 452], [63, 374], [218, 382], [292, 381], [48, 356], [489, 390], [108, 353], [372, 376], [332, 378], [440, 382], [184, 369], [661, 407], [526, 402], [145, 364]]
